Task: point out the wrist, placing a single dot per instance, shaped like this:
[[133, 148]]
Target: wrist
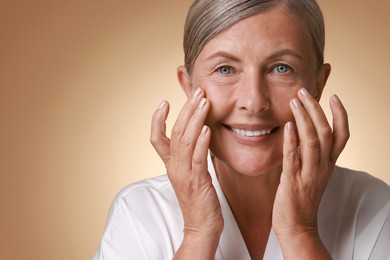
[[198, 245], [305, 244]]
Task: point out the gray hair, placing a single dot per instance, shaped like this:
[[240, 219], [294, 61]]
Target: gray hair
[[207, 18]]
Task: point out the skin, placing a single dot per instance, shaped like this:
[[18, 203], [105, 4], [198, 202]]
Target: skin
[[260, 74]]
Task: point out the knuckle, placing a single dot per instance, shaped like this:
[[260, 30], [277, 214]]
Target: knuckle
[[153, 140], [345, 139], [154, 137], [156, 141], [313, 143], [186, 142], [293, 158], [177, 131], [348, 135], [344, 136], [326, 132], [197, 161]]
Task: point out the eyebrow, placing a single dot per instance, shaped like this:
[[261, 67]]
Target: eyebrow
[[223, 54], [270, 57], [285, 52]]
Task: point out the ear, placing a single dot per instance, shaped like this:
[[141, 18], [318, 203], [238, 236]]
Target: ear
[[322, 78], [184, 81]]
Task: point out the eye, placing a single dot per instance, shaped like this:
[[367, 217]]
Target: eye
[[282, 68], [225, 70]]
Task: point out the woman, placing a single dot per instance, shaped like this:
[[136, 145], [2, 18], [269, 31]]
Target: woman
[[254, 73]]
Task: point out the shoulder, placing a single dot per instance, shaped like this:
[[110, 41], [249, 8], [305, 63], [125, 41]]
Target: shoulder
[[354, 213], [145, 198], [137, 212], [357, 191], [358, 183], [154, 187]]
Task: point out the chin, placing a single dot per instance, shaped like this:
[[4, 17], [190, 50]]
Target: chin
[[250, 164], [255, 169]]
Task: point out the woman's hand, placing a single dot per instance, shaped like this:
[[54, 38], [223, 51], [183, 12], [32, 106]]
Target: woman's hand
[[310, 152], [185, 158]]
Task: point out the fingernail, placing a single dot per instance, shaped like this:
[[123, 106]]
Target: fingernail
[[296, 103], [304, 92], [204, 129], [335, 99], [162, 105], [289, 126], [196, 92], [202, 102]]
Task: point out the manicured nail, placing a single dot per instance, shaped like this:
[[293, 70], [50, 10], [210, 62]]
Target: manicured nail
[[289, 126], [196, 92], [162, 105], [205, 130], [202, 102], [296, 103], [304, 92], [335, 99]]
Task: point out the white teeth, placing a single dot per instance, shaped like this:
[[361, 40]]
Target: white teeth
[[250, 133]]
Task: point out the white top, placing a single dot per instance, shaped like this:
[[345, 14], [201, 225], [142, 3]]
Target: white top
[[145, 221]]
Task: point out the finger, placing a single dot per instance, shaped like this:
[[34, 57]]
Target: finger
[[340, 128], [158, 138], [319, 121], [199, 159], [194, 128], [182, 120], [291, 161], [308, 141]]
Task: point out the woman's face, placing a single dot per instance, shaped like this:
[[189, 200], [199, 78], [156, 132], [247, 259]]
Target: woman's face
[[250, 73]]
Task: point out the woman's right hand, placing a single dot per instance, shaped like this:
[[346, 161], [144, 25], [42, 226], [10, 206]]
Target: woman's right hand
[[185, 158]]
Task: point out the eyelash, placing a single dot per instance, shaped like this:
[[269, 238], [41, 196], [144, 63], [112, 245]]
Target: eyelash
[[288, 68], [219, 69], [275, 69]]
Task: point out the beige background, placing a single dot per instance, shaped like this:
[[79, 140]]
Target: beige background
[[79, 83]]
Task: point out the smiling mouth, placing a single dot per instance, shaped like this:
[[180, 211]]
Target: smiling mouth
[[250, 133]]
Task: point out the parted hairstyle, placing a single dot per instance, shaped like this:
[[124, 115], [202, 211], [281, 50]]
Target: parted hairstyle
[[207, 18]]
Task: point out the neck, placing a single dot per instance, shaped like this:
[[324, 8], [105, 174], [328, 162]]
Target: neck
[[248, 192], [251, 201]]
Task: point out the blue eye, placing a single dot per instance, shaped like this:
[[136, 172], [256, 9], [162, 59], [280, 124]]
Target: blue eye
[[282, 68], [225, 70]]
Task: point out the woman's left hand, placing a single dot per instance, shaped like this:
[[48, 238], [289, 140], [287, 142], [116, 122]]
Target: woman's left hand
[[310, 151]]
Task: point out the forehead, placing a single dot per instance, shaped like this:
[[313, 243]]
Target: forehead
[[263, 32]]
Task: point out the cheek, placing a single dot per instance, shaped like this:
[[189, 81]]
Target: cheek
[[219, 109], [221, 103], [281, 107]]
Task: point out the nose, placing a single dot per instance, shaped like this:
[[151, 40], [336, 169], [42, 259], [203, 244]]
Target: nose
[[253, 94]]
